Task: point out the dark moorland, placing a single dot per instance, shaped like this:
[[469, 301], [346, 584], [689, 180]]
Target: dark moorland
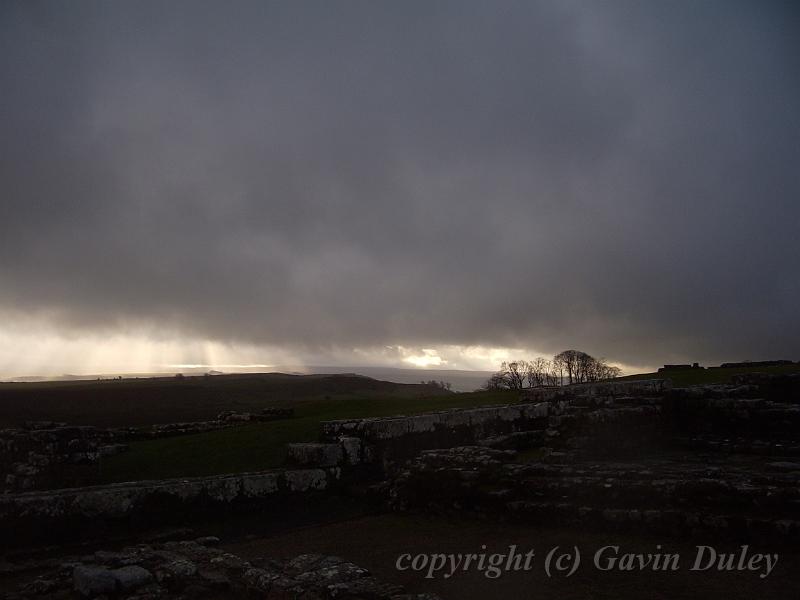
[[138, 402]]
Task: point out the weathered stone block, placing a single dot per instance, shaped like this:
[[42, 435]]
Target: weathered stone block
[[424, 423], [351, 449], [305, 480], [456, 418], [259, 485], [223, 489], [538, 410], [384, 429], [104, 502], [480, 416], [93, 581], [131, 577], [333, 429], [509, 413], [313, 454]]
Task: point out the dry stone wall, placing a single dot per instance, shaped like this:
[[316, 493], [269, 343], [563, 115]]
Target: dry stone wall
[[47, 455], [42, 454], [71, 511], [382, 441]]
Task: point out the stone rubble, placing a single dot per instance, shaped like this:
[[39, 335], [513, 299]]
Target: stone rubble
[[198, 569], [77, 510], [741, 480]]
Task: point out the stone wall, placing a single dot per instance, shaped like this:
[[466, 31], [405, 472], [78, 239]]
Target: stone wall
[[600, 391], [740, 409], [381, 441], [779, 388], [225, 419], [46, 454], [593, 422], [599, 418], [743, 500], [72, 511]]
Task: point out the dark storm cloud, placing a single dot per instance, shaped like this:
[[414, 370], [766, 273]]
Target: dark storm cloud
[[620, 177]]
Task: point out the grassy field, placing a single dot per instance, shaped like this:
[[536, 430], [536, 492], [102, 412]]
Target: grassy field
[[257, 446], [262, 445], [684, 377], [142, 402]]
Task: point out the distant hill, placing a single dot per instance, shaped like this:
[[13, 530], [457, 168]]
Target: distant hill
[[462, 381], [722, 374], [144, 401]]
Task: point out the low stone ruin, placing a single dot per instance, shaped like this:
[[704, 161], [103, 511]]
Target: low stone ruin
[[197, 568], [44, 453], [610, 458], [665, 495], [638, 456], [598, 418], [225, 419], [606, 455], [76, 512], [382, 442], [47, 454]]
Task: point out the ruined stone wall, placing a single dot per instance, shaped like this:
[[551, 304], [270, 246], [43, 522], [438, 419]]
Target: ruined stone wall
[[743, 501], [603, 418], [379, 441], [755, 406], [72, 511], [47, 455], [43, 454], [641, 389], [224, 420], [623, 420]]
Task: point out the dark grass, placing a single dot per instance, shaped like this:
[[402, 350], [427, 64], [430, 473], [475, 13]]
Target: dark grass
[[263, 445], [142, 402]]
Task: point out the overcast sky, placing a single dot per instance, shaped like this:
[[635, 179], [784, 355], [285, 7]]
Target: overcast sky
[[373, 182]]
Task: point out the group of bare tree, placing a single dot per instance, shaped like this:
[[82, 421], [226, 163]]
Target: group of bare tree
[[445, 385], [569, 366]]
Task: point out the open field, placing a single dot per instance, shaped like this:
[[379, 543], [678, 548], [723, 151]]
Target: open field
[[684, 377], [262, 445], [141, 402], [256, 446]]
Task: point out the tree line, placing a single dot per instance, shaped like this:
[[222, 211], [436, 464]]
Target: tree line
[[445, 385], [570, 366]]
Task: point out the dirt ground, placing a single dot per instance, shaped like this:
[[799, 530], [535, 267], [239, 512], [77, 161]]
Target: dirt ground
[[376, 542]]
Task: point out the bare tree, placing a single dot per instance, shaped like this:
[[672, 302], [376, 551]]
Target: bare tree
[[497, 382], [605, 371], [515, 373], [581, 367], [572, 362], [538, 371], [578, 366]]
